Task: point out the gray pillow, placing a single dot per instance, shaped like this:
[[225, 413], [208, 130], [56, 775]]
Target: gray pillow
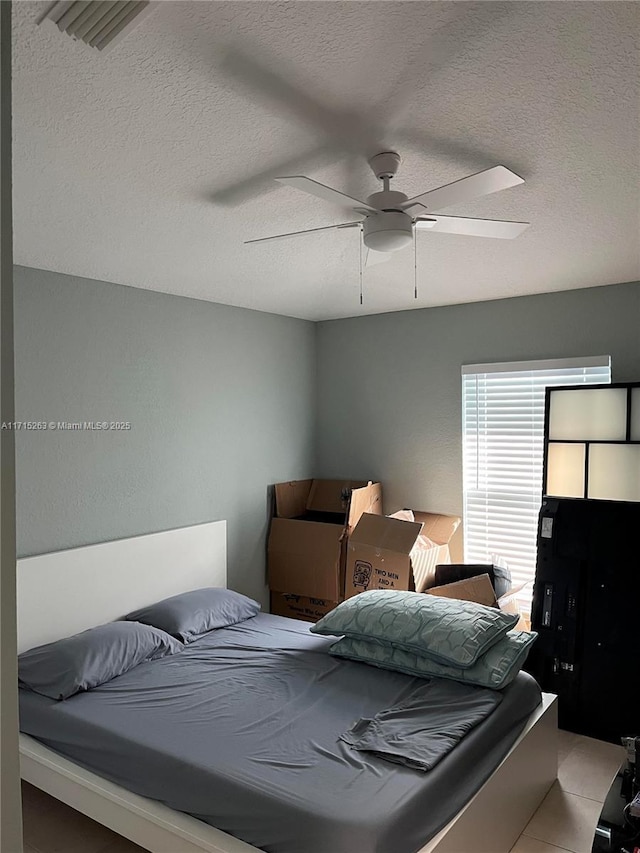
[[496, 668], [61, 669], [448, 631], [189, 615]]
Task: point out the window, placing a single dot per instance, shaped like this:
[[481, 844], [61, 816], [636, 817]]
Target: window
[[503, 443]]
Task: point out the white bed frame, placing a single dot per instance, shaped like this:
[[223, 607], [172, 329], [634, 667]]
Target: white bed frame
[[68, 591]]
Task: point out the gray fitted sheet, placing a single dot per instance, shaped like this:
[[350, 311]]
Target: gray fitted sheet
[[241, 729]]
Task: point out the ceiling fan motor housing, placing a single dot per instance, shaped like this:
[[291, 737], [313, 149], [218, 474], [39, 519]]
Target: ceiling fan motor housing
[[386, 200], [387, 231]]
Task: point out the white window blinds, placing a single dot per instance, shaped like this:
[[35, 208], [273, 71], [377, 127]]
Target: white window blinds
[[503, 442]]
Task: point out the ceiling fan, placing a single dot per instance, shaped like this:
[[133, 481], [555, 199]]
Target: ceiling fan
[[388, 219], [349, 132]]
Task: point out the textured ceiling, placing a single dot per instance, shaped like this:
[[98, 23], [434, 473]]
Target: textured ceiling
[[139, 166]]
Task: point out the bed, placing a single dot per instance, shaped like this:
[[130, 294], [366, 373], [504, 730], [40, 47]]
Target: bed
[[100, 582]]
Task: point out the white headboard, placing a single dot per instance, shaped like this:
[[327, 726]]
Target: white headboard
[[65, 592]]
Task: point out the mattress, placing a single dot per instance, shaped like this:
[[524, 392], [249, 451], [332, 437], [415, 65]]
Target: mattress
[[241, 730]]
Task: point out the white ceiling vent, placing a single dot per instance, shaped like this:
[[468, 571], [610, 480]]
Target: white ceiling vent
[[98, 23]]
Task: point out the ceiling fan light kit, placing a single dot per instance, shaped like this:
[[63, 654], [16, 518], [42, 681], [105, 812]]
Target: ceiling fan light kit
[[388, 231]]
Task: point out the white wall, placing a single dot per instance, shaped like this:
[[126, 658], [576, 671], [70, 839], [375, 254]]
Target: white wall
[[389, 387]]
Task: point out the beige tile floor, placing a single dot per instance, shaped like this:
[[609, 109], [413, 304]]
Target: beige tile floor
[[567, 817], [564, 822]]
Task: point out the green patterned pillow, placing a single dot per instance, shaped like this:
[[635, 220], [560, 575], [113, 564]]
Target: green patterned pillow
[[496, 668], [451, 632]]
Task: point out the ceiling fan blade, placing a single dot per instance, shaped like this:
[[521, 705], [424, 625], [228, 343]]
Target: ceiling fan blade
[[482, 183], [263, 182], [326, 193], [345, 128], [276, 87], [468, 29], [471, 227], [375, 258], [307, 231], [446, 149], [356, 174]]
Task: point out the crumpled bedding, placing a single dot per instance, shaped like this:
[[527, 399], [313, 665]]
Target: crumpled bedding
[[422, 729], [241, 730]]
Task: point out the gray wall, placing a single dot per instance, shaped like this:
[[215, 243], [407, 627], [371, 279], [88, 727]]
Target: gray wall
[[221, 402], [224, 401], [389, 388]]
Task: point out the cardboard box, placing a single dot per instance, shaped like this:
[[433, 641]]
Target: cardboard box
[[300, 606], [379, 554], [478, 589], [509, 602], [499, 576], [439, 529], [309, 530], [387, 553]]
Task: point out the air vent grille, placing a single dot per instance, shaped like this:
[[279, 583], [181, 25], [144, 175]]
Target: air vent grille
[[98, 23]]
